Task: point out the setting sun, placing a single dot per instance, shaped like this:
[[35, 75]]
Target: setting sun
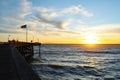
[[91, 39]]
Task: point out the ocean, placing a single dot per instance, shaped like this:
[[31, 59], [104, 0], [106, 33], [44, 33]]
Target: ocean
[[77, 62]]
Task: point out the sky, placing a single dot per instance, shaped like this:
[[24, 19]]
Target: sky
[[61, 21]]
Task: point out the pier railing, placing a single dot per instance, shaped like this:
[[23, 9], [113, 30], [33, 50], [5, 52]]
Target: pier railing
[[26, 49]]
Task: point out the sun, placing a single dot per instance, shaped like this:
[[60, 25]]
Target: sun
[[91, 39]]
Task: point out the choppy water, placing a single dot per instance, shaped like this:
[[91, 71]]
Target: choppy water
[[78, 62]]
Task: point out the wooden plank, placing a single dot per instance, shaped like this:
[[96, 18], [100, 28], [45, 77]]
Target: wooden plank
[[18, 44], [7, 65], [13, 65]]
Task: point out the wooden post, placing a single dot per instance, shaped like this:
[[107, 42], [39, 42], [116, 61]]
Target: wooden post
[[26, 35], [8, 37], [32, 48], [39, 53]]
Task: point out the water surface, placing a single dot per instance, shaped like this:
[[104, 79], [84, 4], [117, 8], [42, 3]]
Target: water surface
[[78, 62]]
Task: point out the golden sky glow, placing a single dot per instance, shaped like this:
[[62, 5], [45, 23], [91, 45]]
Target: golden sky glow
[[91, 39], [77, 22]]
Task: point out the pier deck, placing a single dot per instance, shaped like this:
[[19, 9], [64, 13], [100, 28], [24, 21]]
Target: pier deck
[[13, 66], [26, 49]]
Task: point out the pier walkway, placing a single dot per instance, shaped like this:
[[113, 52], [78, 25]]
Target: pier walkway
[[13, 66]]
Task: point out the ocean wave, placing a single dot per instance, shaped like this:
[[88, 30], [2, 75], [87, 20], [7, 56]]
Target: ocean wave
[[78, 63], [112, 61], [87, 51], [73, 70], [101, 52], [58, 72]]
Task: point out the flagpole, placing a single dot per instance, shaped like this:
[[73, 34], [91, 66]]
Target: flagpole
[[26, 33], [25, 26]]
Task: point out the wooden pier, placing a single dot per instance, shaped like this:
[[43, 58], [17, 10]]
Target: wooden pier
[[13, 65], [26, 49]]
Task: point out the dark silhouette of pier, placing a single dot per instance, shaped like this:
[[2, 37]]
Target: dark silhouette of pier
[[26, 49], [13, 61]]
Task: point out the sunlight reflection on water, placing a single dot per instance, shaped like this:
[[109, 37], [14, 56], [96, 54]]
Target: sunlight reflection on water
[[78, 62]]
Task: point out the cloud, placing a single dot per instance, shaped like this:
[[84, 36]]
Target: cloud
[[50, 23], [107, 28], [52, 17], [72, 10], [76, 10], [58, 33], [48, 13], [12, 20], [43, 9], [5, 31], [46, 16], [103, 30], [25, 8], [111, 28], [69, 32], [42, 19], [10, 31]]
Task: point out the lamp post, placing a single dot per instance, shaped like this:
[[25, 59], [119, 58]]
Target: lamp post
[[8, 37], [26, 35]]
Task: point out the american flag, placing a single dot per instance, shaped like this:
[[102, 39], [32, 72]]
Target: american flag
[[24, 26]]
